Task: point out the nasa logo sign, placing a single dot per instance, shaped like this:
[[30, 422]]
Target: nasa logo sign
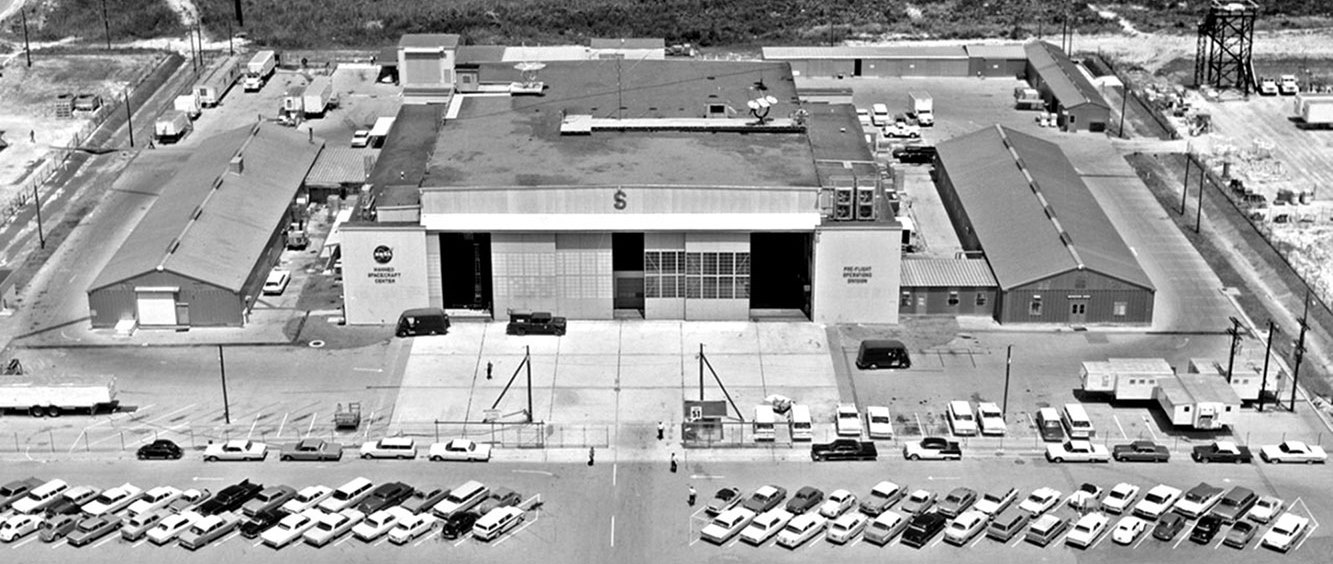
[[383, 254]]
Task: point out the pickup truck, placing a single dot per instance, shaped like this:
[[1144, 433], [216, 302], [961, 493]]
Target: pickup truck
[[536, 323], [844, 449], [933, 448], [1140, 451], [1222, 451]]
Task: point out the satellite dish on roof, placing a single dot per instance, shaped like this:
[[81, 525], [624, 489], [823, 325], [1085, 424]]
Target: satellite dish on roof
[[529, 69]]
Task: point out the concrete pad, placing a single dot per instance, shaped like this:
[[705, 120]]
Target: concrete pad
[[822, 401], [441, 370], [791, 338], [463, 338], [543, 372], [746, 397], [516, 400], [654, 371], [653, 337], [732, 369], [645, 405], [799, 370], [496, 342], [416, 405], [591, 337], [579, 405], [587, 371], [720, 337]]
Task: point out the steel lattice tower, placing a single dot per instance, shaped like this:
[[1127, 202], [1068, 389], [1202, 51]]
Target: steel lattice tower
[[1225, 44]]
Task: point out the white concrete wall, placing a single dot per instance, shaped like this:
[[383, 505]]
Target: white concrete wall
[[856, 278], [384, 272]]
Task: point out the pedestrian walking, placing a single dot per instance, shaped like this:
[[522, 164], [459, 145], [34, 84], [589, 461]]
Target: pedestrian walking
[[592, 455], [673, 463], [661, 430], [693, 495], [32, 136], [488, 370]]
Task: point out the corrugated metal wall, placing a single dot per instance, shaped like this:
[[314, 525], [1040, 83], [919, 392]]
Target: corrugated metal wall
[[996, 67], [935, 301], [208, 305], [1058, 293]]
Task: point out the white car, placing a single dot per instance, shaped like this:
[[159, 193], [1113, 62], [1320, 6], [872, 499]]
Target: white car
[[1085, 497], [878, 422], [965, 527], [379, 523], [413, 526], [848, 420], [801, 528], [726, 525], [276, 283], [1077, 450], [1128, 529], [846, 528], [1286, 532], [885, 526], [992, 419], [1120, 497], [390, 447], [1198, 500], [1157, 501], [1293, 451], [882, 497], [17, 526], [171, 527], [994, 502], [1088, 529], [766, 525], [332, 526], [961, 419], [156, 498], [360, 138], [1040, 501], [290, 528], [1265, 509], [837, 503], [460, 449], [239, 449], [863, 117], [189, 499], [308, 497], [112, 500]]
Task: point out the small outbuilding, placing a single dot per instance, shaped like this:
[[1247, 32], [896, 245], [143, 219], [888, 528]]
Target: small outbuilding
[[1066, 89], [946, 287]]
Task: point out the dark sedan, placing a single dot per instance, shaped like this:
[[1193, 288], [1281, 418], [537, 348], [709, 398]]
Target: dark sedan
[[256, 525], [385, 496], [1206, 529], [1141, 451], [806, 498], [1168, 527], [458, 524], [231, 498], [923, 528], [93, 528], [160, 449]]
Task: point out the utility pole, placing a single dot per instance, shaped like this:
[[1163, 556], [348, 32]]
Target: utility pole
[[129, 118], [1124, 100], [1234, 331], [701, 372], [1185, 188], [1300, 350], [27, 49], [106, 23], [222, 369], [527, 362], [37, 199], [1268, 351], [231, 50], [1008, 362], [1198, 217], [240, 18]]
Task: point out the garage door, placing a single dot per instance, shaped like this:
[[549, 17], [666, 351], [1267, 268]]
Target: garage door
[[156, 307]]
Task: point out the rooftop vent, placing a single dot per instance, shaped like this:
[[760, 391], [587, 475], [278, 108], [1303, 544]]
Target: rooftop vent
[[237, 165]]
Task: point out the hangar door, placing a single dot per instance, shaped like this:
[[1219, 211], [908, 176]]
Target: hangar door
[[156, 306]]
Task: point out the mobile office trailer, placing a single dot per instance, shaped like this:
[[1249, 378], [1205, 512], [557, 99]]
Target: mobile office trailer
[[216, 85], [317, 97], [1246, 376], [259, 69], [1125, 378], [1198, 401], [188, 103], [171, 127], [42, 395]]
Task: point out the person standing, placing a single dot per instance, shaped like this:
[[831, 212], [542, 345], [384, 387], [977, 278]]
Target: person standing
[[489, 366], [673, 463], [592, 455], [661, 430], [692, 496]]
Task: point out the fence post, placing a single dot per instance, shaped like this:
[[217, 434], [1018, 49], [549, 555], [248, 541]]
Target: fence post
[[51, 439], [192, 445], [86, 447], [122, 440]]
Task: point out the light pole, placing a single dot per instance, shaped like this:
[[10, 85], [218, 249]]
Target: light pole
[[1300, 351], [1008, 361], [106, 24], [37, 199], [1268, 351], [129, 118], [1234, 331], [1124, 101], [27, 49], [222, 369]]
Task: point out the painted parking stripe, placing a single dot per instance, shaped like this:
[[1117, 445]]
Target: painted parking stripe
[[1148, 424], [1143, 536], [1099, 540], [252, 425], [342, 540], [1018, 541], [58, 544], [978, 541], [461, 540], [381, 541], [527, 523], [1184, 533], [1117, 425], [314, 415], [32, 537], [283, 425], [937, 541], [233, 535], [108, 539], [855, 542]]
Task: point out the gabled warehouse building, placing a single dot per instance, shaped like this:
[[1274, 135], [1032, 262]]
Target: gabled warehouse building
[[1055, 254], [1077, 104], [201, 254]]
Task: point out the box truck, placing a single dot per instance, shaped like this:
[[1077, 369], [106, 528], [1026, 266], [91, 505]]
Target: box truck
[[171, 127], [188, 103], [259, 69], [318, 97], [41, 395], [216, 84], [923, 108]]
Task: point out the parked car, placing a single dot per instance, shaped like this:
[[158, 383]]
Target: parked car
[[1221, 451], [189, 499], [161, 449], [923, 528], [421, 500], [332, 526], [1198, 500], [961, 419], [460, 450], [933, 448], [379, 523], [1085, 498], [500, 497], [290, 529], [806, 498], [1168, 527], [385, 496], [412, 527], [55, 527], [138, 525], [726, 525], [1040, 501], [1141, 451], [1077, 450], [881, 497], [764, 526], [231, 498], [965, 527], [19, 526], [957, 501], [318, 450], [239, 449], [256, 524], [112, 500], [879, 423], [14, 491], [724, 499], [1157, 501], [72, 501], [847, 420], [1265, 509], [845, 528], [1128, 530], [277, 282], [360, 138], [991, 418], [171, 527], [1045, 529], [764, 499], [1088, 529], [1235, 504], [837, 503], [41, 497], [536, 323], [1293, 451], [994, 502], [885, 527], [404, 448], [92, 529], [268, 498], [918, 502], [154, 499], [1120, 497], [1286, 532], [1240, 534], [800, 529], [844, 449], [915, 154], [308, 497], [1206, 529], [209, 529], [458, 524]]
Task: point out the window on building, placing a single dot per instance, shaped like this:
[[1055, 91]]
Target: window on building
[[711, 275], [953, 299], [1119, 309], [981, 298], [1187, 409], [905, 299], [1034, 308], [662, 273]]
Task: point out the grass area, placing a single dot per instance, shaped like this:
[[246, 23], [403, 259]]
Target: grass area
[[1309, 70], [1173, 16], [356, 23], [128, 20]]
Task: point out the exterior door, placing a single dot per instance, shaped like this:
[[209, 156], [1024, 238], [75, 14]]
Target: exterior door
[[156, 308], [921, 308], [1078, 312]]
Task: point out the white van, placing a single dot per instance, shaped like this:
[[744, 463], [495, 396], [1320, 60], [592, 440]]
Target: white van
[[497, 522], [961, 418], [801, 429], [347, 495], [1076, 420], [879, 115], [764, 423], [461, 498]]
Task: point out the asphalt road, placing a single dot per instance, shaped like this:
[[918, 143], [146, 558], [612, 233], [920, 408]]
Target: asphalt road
[[637, 512]]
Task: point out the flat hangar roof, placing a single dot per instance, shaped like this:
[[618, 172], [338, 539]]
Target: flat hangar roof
[[516, 140]]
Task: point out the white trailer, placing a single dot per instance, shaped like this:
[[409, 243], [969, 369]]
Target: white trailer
[[171, 127], [1246, 376], [257, 71], [1125, 378], [1028, 99], [188, 103], [380, 131], [1197, 401], [1313, 111], [923, 108], [293, 101], [42, 395], [318, 97], [216, 85]]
